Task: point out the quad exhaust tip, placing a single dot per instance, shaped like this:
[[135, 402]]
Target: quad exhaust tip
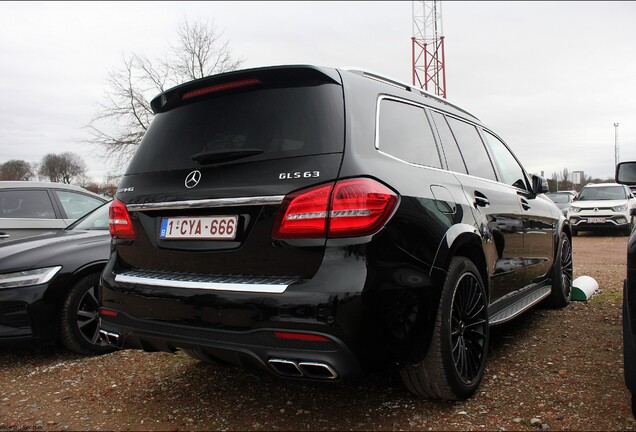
[[111, 338], [303, 369]]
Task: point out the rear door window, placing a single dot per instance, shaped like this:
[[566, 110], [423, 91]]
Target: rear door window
[[454, 158], [404, 132], [472, 148], [23, 204], [77, 205], [510, 170], [278, 122]]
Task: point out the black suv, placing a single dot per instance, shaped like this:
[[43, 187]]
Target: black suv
[[626, 174], [320, 222]]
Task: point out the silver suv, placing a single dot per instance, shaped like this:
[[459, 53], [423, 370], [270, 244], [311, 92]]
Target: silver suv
[[604, 206], [30, 208]]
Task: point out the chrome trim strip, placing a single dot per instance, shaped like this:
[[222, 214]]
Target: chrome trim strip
[[208, 203], [214, 286]]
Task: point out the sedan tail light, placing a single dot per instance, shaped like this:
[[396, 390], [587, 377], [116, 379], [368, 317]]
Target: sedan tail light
[[119, 222], [347, 208]]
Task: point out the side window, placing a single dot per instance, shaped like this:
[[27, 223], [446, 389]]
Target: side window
[[77, 205], [451, 151], [472, 148], [510, 169], [404, 132], [26, 204]]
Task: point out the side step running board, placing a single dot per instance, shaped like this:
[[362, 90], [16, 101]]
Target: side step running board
[[523, 304]]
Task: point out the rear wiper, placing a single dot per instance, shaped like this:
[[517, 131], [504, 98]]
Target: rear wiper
[[218, 156]]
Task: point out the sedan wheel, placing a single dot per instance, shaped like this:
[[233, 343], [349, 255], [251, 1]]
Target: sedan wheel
[[79, 319]]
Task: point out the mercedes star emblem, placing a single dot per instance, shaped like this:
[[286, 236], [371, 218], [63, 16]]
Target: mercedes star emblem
[[193, 179]]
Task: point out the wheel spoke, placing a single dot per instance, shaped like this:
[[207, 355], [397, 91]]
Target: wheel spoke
[[468, 328], [86, 314], [85, 323]]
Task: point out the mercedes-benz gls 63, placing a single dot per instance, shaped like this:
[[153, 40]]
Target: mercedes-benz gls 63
[[319, 223]]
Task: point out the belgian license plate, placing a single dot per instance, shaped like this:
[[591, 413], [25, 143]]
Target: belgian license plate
[[595, 220], [199, 227]]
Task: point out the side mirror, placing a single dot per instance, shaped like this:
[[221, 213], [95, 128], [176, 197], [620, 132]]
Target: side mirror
[[626, 173], [539, 184]]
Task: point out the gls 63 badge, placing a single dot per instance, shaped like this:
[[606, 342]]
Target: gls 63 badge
[[298, 174]]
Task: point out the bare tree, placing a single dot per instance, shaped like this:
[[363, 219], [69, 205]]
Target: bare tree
[[62, 168], [125, 114], [16, 169]]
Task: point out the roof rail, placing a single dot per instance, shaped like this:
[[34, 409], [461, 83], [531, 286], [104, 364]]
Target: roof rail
[[404, 86]]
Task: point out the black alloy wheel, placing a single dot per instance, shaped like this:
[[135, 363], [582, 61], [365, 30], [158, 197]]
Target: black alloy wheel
[[79, 319], [87, 314], [454, 364], [567, 270], [562, 275], [468, 328]]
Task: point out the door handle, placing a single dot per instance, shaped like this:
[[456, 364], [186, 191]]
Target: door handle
[[4, 235], [481, 200]]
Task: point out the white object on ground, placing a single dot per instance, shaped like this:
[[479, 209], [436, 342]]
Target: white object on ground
[[583, 287]]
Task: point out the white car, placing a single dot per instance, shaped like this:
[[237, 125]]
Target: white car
[[603, 206], [29, 208]]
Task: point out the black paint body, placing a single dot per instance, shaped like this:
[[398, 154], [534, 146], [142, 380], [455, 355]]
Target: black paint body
[[355, 291], [29, 315]]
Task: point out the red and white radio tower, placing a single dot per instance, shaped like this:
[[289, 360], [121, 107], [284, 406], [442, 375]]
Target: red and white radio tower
[[429, 65]]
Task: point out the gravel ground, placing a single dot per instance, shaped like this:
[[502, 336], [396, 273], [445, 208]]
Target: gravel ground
[[548, 369]]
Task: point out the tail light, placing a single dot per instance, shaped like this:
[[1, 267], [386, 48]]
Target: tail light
[[348, 208], [119, 222]]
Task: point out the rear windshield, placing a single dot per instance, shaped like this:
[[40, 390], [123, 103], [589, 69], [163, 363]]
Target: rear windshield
[[282, 122]]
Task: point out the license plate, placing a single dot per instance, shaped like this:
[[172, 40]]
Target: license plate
[[199, 227], [595, 220]]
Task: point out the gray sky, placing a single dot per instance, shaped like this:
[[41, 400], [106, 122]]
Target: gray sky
[[550, 77]]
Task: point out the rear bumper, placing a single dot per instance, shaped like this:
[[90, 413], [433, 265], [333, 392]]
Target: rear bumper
[[238, 326], [259, 349]]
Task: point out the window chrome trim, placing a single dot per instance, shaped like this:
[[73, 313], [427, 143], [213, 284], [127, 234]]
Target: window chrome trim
[[208, 203], [270, 288]]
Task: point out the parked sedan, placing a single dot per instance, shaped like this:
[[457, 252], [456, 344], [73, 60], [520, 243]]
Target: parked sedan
[[47, 286], [32, 208]]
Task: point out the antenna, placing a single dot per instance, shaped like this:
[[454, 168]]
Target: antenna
[[427, 46], [616, 148]]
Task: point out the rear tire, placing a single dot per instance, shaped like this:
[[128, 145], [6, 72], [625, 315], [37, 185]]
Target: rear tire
[[562, 274], [79, 321], [454, 365]]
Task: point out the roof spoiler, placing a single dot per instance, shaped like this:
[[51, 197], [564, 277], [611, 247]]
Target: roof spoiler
[[266, 76]]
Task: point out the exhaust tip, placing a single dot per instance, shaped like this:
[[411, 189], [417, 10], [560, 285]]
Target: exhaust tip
[[317, 370], [111, 338], [285, 367]]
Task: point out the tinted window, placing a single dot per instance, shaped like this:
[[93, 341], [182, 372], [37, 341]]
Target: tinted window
[[282, 122], [472, 148], [404, 132], [77, 205], [510, 170], [26, 204], [451, 151]]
